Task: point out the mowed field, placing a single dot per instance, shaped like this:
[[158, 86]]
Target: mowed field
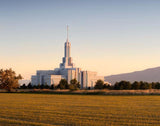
[[75, 110]]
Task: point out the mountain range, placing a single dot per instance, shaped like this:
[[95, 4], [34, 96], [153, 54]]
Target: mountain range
[[148, 75]]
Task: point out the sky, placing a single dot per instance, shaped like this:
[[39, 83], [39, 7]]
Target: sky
[[107, 36]]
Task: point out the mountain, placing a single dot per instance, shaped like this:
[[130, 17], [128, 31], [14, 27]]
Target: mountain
[[148, 75]]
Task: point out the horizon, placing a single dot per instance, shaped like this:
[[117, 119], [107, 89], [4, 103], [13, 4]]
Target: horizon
[[110, 37]]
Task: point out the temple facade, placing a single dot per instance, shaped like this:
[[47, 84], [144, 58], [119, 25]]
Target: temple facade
[[68, 71]]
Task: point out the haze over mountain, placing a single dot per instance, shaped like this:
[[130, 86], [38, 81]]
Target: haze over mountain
[[21, 82], [148, 75]]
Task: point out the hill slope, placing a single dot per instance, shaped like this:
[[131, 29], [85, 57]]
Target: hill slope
[[148, 75]]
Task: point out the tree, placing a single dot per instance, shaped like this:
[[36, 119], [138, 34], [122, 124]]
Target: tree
[[149, 86], [63, 84], [153, 85], [73, 81], [78, 85], [29, 86], [126, 85], [38, 86], [74, 84], [9, 80], [136, 85], [116, 86], [52, 86], [122, 85], [157, 85], [46, 86], [99, 84], [42, 86], [144, 85], [72, 87], [23, 86], [106, 86]]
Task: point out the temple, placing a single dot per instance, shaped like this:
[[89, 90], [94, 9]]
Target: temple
[[68, 71]]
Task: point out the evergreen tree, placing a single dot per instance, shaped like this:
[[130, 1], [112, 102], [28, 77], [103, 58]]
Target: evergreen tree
[[136, 85], [63, 84]]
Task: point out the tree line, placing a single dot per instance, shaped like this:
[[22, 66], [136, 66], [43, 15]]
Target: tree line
[[9, 80], [126, 85], [63, 84]]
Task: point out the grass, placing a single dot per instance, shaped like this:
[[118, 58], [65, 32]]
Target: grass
[[75, 110]]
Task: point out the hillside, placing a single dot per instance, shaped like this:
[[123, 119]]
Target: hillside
[[148, 75]]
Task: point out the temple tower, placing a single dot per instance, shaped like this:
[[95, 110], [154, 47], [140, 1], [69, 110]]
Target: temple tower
[[67, 59]]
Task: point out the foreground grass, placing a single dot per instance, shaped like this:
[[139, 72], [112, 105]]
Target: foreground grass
[[56, 110]]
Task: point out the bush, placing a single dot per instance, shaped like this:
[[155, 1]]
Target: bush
[[73, 87], [63, 84], [99, 84]]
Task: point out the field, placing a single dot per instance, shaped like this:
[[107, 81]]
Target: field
[[74, 110]]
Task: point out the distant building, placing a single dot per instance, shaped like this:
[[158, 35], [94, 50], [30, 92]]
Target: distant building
[[66, 71]]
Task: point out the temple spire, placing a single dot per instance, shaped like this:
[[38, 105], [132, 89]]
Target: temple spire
[[67, 33]]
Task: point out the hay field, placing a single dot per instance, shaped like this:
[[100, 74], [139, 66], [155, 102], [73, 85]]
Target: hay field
[[75, 110]]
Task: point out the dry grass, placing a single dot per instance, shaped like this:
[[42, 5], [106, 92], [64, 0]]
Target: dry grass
[[104, 92], [75, 110]]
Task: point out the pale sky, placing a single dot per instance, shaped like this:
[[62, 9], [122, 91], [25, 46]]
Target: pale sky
[[107, 36]]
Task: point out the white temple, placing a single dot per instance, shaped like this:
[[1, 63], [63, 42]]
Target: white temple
[[66, 71]]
